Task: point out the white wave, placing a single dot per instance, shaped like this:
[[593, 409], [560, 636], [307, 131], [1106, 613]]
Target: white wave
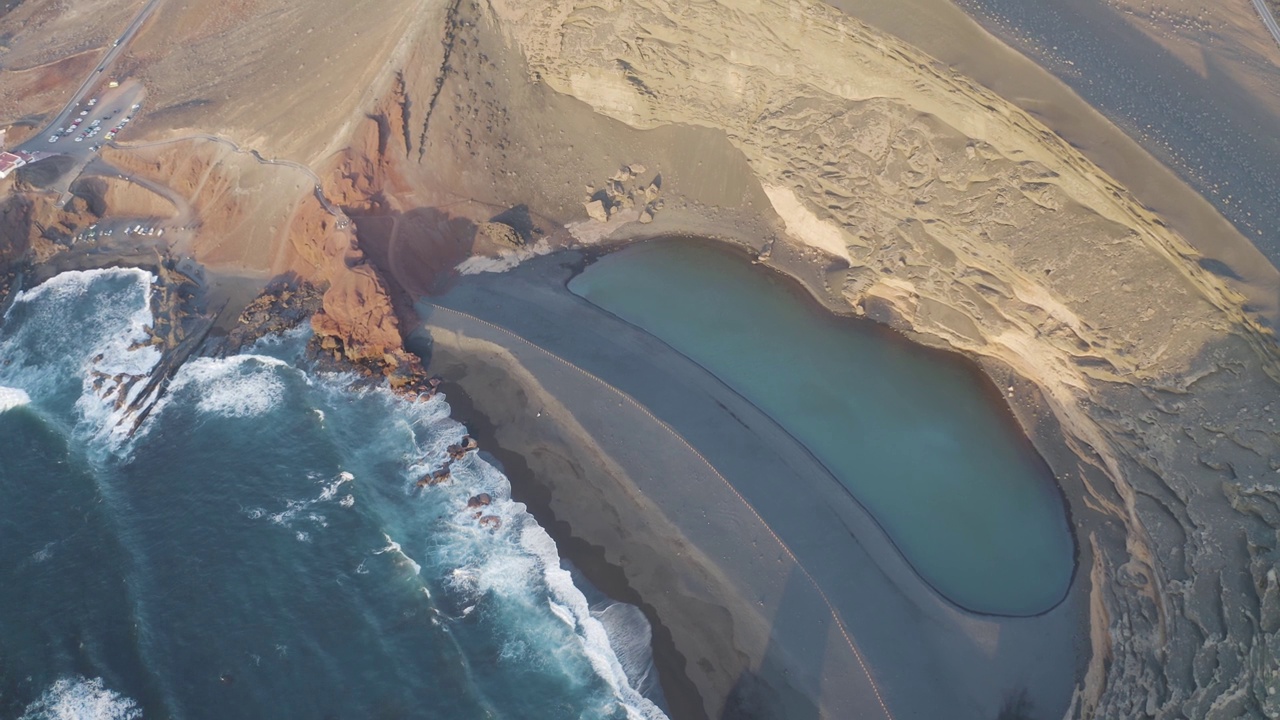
[[393, 547], [238, 386], [81, 699], [595, 640], [331, 490], [73, 284], [88, 325], [512, 562], [563, 613], [11, 398], [631, 638]]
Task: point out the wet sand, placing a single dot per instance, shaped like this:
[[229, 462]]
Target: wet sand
[[781, 596]]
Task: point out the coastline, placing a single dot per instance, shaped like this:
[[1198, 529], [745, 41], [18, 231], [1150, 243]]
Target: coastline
[[528, 486], [974, 662]]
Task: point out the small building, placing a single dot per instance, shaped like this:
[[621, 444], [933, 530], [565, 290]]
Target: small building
[[10, 162]]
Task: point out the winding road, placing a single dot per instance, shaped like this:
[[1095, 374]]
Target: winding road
[[328, 205]]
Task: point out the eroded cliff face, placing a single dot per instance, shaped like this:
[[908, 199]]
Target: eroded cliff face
[[953, 215]]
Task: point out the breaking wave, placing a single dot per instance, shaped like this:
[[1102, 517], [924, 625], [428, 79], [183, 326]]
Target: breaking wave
[[81, 339], [11, 398], [239, 386], [78, 346]]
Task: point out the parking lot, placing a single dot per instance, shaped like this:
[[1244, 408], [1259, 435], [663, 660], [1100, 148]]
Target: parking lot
[[86, 127]]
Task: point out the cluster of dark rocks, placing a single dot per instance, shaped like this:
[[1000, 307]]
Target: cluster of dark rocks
[[282, 306], [477, 503]]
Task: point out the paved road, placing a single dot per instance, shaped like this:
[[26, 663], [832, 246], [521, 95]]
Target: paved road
[[107, 113], [99, 73], [1268, 18]]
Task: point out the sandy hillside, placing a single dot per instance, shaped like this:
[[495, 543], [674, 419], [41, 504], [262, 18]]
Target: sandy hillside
[[275, 76]]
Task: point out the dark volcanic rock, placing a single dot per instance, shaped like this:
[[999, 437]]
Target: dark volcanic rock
[[283, 305]]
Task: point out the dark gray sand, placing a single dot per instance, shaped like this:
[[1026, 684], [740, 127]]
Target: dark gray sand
[[779, 596], [1210, 130]]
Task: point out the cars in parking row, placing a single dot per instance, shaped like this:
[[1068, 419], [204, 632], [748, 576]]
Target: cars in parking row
[[95, 232], [95, 126]]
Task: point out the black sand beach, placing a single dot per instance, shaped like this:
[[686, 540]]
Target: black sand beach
[[739, 594], [1167, 134]]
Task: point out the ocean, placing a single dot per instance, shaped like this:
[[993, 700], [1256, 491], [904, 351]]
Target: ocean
[[259, 548]]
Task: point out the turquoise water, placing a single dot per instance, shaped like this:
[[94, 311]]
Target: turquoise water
[[260, 549], [912, 435]]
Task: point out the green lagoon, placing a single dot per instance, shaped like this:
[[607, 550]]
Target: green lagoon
[[918, 438]]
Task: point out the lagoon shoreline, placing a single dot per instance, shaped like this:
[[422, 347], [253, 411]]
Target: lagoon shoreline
[[912, 633]]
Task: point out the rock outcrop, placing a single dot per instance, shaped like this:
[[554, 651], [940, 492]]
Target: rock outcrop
[[284, 304]]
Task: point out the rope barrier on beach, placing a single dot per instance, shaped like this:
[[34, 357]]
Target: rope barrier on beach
[[844, 631]]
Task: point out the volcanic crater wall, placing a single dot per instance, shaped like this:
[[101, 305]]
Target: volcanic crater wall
[[948, 212]]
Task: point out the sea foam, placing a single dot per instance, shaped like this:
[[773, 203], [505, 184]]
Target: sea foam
[[239, 386], [80, 337], [11, 398], [77, 698]]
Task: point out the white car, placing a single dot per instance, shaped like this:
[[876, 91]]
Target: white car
[[53, 138], [83, 113], [80, 139]]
